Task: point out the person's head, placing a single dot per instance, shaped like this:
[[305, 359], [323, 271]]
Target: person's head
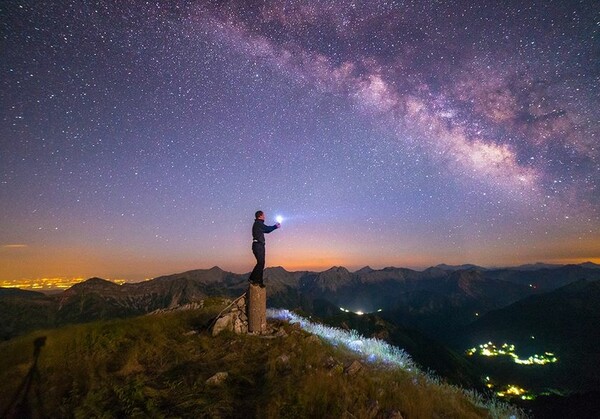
[[259, 215]]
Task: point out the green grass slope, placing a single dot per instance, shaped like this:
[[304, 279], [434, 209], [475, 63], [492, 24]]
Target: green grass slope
[[158, 366]]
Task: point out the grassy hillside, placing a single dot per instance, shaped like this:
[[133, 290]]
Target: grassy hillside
[[158, 366]]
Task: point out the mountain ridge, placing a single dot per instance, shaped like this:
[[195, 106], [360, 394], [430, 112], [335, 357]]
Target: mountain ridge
[[455, 295]]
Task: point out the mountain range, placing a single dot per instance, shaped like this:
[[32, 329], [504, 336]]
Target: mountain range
[[437, 300], [436, 314]]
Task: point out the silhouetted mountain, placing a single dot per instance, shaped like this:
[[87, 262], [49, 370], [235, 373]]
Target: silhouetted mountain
[[100, 299], [331, 280], [589, 265], [435, 300], [365, 291], [559, 317], [16, 292], [459, 267], [97, 285], [440, 306], [535, 266], [545, 279], [365, 269], [96, 299]]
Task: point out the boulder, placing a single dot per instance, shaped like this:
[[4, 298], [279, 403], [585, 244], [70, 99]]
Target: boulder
[[354, 368], [223, 323], [217, 379], [239, 326]]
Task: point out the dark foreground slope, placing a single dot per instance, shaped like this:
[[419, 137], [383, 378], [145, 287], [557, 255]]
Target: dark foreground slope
[[160, 365]]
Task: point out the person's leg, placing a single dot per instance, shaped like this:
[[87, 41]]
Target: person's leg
[[261, 261], [256, 277]]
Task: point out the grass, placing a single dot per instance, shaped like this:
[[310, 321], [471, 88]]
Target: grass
[[157, 366]]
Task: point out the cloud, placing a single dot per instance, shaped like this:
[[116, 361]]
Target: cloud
[[14, 246]]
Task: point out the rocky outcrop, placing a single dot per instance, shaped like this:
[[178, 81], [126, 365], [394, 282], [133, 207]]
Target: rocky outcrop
[[191, 306], [353, 368], [234, 318], [217, 379]]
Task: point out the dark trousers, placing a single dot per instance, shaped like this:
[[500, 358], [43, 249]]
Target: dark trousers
[[256, 277]]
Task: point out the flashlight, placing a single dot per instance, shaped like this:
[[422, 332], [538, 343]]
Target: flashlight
[[279, 219]]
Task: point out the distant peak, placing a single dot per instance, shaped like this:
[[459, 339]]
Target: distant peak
[[96, 280], [590, 265], [467, 266], [337, 269], [94, 283]]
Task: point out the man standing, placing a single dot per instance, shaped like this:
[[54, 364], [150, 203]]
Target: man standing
[[258, 246]]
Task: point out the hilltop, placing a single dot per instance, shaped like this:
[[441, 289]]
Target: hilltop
[[167, 364]]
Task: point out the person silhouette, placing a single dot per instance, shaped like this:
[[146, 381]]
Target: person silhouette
[[259, 229]]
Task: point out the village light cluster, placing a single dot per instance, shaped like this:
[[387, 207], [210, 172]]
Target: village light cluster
[[511, 390], [515, 391], [490, 349]]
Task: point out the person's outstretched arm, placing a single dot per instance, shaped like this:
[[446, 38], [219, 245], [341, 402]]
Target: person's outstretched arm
[[268, 229]]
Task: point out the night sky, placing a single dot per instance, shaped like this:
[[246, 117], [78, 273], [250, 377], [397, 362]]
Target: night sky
[[139, 138]]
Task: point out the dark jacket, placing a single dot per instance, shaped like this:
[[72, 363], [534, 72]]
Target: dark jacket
[[259, 229]]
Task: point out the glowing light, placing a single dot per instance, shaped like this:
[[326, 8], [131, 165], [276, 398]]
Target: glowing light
[[490, 349], [512, 390], [279, 219], [372, 349], [359, 313], [515, 391]]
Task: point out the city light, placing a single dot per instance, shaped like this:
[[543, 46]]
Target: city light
[[490, 349], [41, 284], [515, 391]]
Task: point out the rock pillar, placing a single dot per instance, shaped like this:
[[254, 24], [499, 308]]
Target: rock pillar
[[257, 309]]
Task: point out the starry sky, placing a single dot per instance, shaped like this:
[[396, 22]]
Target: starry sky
[[139, 138]]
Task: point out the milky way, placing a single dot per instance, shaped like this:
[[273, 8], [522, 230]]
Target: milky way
[[139, 138]]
